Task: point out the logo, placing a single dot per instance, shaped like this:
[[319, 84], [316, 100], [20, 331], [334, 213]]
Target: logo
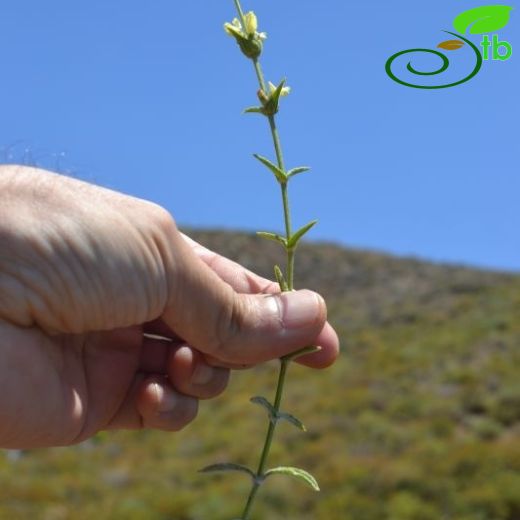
[[480, 20]]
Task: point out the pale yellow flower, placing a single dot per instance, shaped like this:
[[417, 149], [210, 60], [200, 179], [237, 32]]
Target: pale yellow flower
[[251, 23], [285, 90], [246, 34], [234, 28]]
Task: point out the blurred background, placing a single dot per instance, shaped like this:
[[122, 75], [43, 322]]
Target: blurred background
[[417, 248], [147, 99]]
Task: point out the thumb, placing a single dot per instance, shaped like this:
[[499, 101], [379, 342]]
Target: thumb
[[237, 328]]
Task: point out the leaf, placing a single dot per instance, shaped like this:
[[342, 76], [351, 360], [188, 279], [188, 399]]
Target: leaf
[[278, 172], [302, 352], [274, 415], [485, 19], [254, 110], [293, 242], [451, 45], [262, 401], [280, 279], [272, 236], [293, 420], [227, 466], [296, 171], [298, 473]]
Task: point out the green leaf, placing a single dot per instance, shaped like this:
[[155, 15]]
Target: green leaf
[[274, 415], [271, 107], [272, 236], [293, 242], [485, 19], [278, 172], [296, 171], [280, 278], [262, 401], [298, 473], [254, 110], [293, 420], [302, 352], [227, 466]]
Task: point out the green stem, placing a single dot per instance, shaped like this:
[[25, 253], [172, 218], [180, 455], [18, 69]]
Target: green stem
[[285, 201], [260, 75], [290, 282], [285, 196], [240, 12], [276, 142], [268, 440]]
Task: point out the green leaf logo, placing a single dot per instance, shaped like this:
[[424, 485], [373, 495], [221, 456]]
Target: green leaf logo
[[485, 19]]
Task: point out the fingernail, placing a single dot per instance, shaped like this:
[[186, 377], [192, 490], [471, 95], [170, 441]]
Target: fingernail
[[202, 374], [166, 398], [300, 308]]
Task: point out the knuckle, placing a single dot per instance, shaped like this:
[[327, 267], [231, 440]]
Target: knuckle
[[160, 218]]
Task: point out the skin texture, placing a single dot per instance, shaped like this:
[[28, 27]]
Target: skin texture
[[110, 318]]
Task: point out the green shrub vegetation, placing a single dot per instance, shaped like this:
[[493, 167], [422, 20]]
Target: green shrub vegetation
[[418, 420]]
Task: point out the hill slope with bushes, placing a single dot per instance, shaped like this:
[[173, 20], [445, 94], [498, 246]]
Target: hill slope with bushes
[[418, 420]]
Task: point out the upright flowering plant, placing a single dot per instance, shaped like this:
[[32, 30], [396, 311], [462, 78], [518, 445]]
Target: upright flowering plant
[[244, 29]]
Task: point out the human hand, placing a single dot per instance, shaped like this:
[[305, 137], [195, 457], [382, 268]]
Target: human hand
[[88, 278]]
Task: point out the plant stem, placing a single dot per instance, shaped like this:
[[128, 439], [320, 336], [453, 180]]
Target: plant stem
[[290, 283], [289, 250], [285, 196], [260, 75], [268, 440], [240, 12]]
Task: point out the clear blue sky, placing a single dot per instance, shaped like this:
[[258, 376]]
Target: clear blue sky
[[146, 98]]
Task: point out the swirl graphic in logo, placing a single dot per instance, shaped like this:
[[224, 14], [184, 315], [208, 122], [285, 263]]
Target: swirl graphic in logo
[[479, 21]]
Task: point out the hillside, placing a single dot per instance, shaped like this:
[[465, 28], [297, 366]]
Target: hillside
[[418, 420]]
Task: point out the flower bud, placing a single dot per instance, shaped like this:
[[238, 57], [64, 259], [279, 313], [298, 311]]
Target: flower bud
[[247, 37], [251, 47]]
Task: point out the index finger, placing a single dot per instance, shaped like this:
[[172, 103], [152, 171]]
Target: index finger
[[241, 279]]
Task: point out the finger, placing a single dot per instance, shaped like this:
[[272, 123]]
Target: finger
[[157, 327], [245, 281], [241, 279], [162, 408], [215, 362], [329, 350], [128, 416], [237, 328], [329, 343], [155, 353], [157, 346], [190, 374]]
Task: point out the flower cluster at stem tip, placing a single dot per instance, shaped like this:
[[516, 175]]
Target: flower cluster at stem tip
[[250, 42], [248, 38]]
